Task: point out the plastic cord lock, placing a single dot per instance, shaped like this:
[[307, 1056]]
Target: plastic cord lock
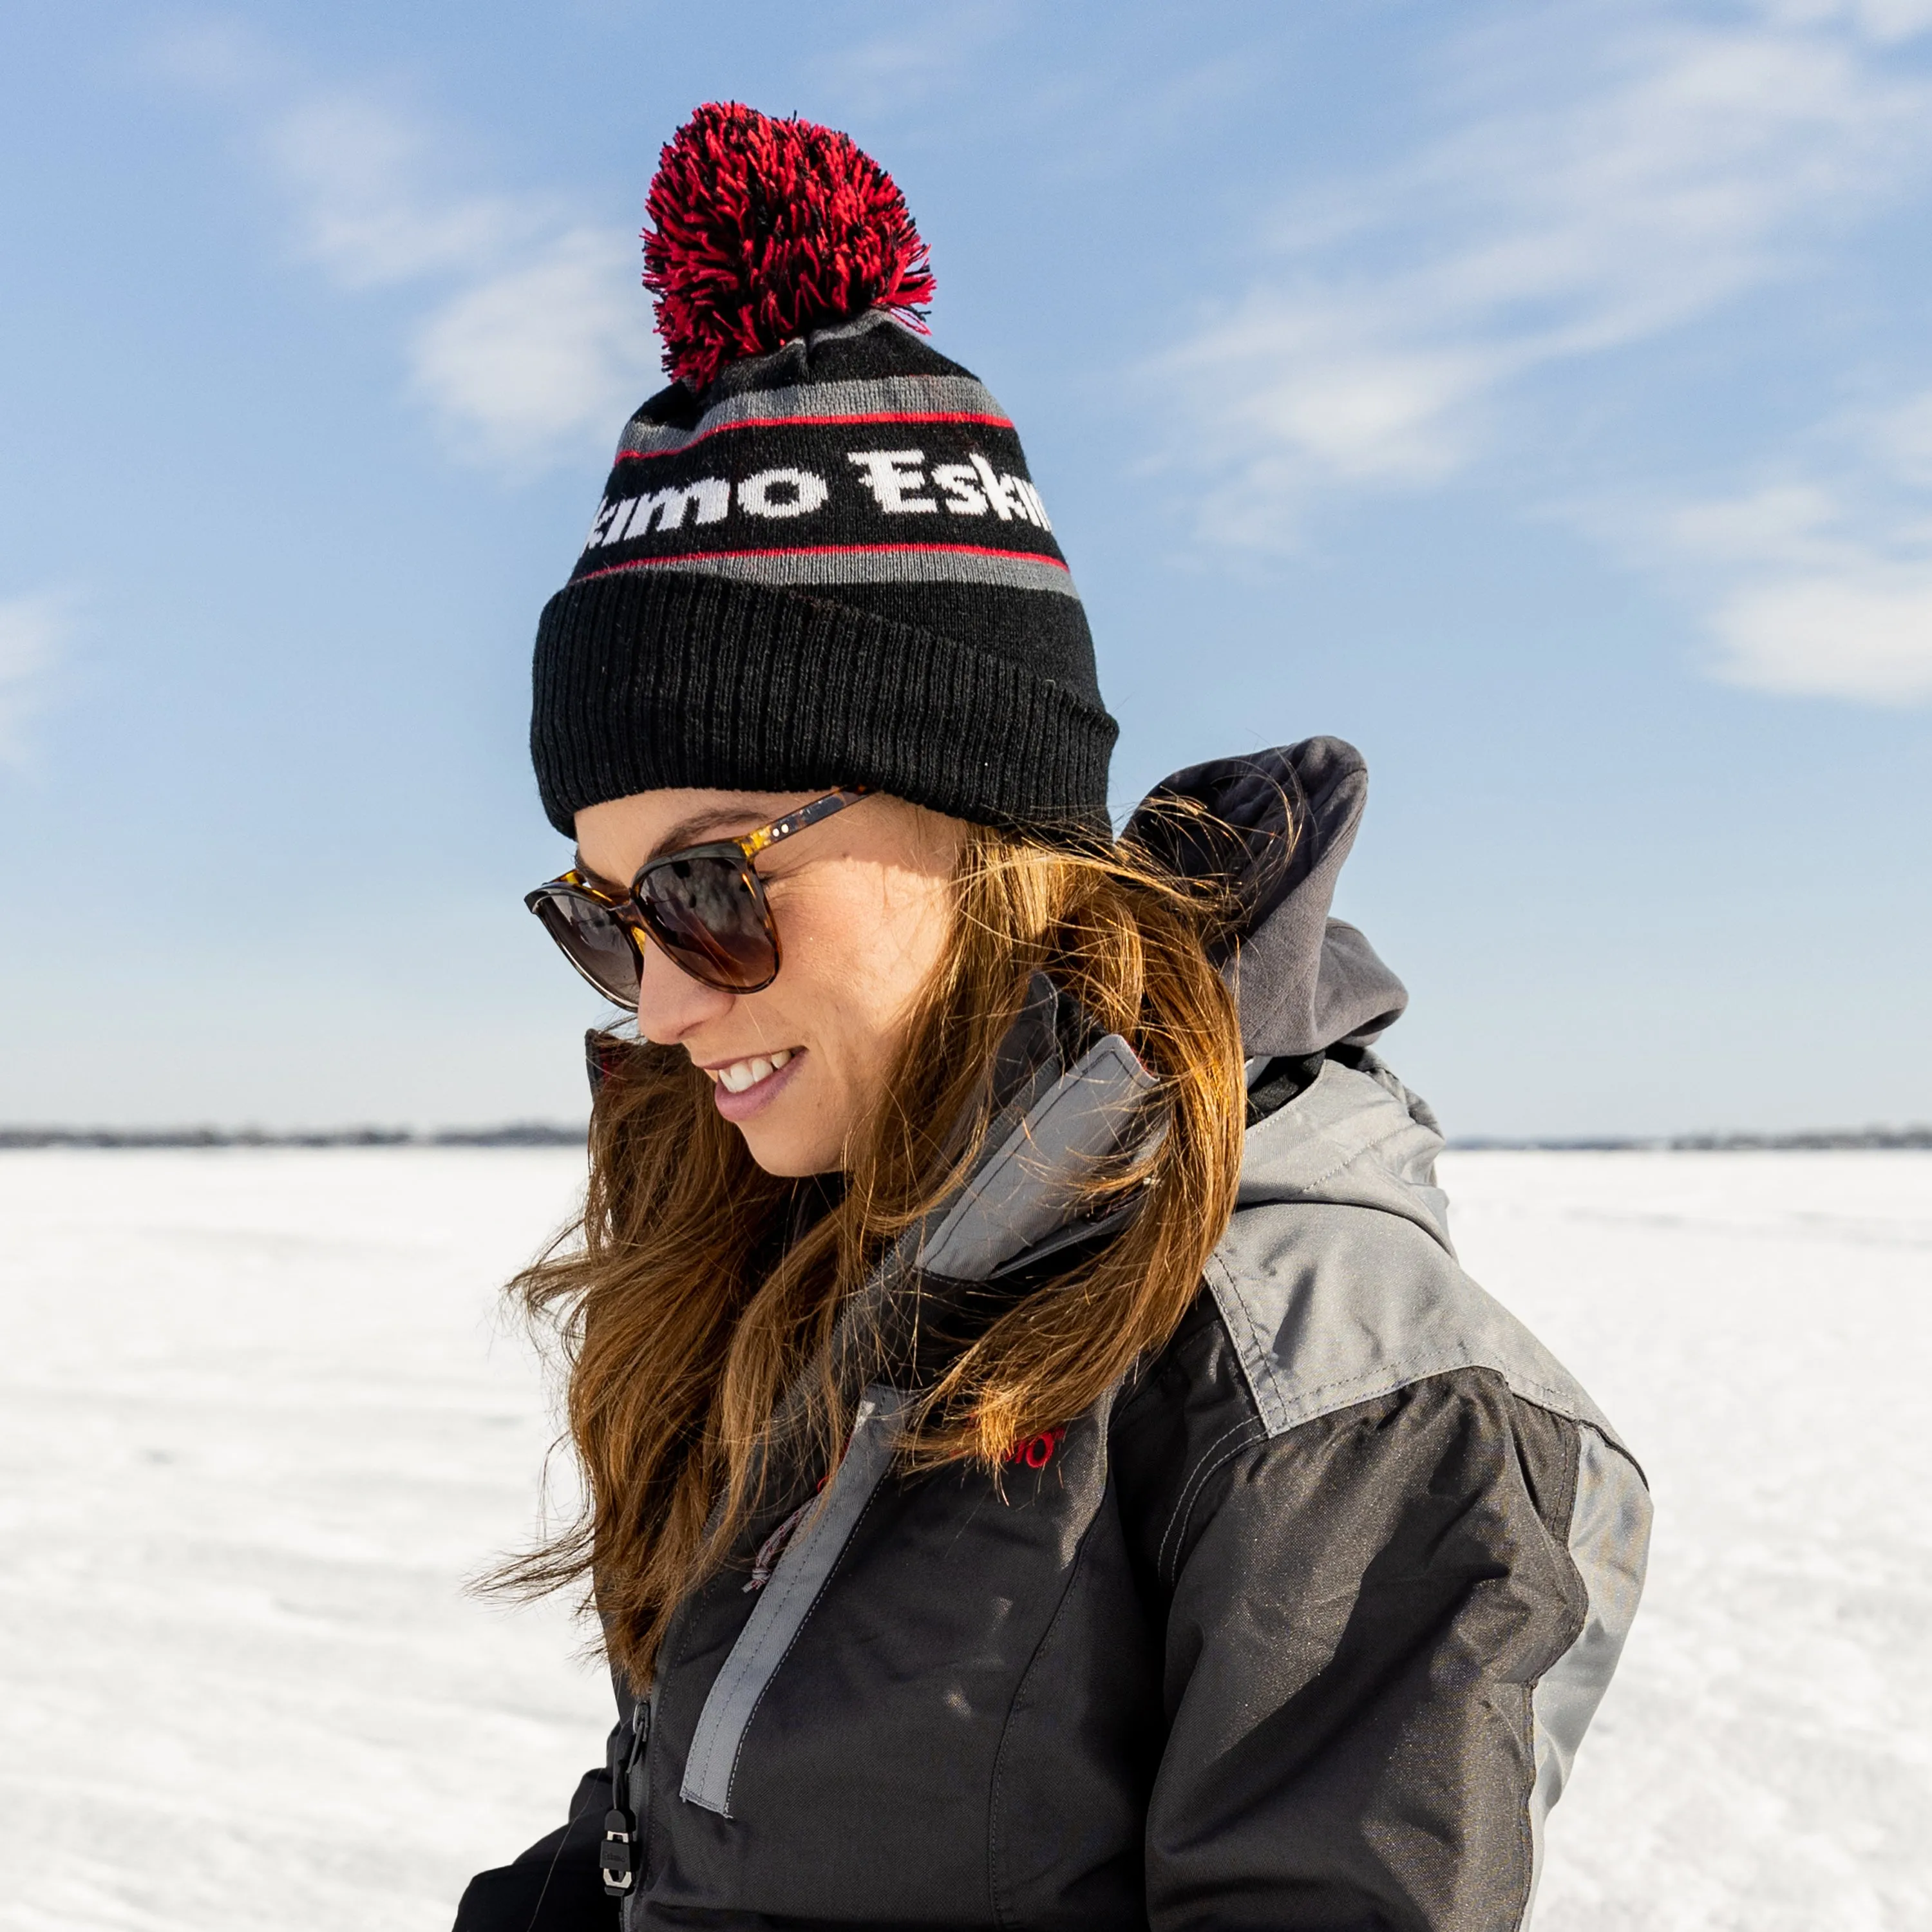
[[615, 1860]]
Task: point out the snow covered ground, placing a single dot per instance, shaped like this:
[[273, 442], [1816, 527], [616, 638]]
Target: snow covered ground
[[259, 1417]]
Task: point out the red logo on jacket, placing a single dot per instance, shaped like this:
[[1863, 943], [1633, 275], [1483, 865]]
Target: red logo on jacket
[[1037, 1451]]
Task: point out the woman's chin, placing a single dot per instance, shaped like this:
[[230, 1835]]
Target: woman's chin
[[783, 1131], [787, 1155]]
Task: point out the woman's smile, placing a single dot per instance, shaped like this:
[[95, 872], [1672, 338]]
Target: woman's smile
[[742, 1088]]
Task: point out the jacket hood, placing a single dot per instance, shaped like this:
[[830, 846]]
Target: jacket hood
[[1279, 824]]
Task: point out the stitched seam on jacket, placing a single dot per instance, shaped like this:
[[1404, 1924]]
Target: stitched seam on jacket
[[1348, 1159], [752, 1656], [1607, 1438], [1396, 1375], [1261, 1380], [1190, 1492], [1597, 1427], [1342, 1165], [804, 1621], [1269, 1387], [654, 1827], [1001, 1913], [781, 1598], [818, 1596], [1525, 1831], [1561, 1530]]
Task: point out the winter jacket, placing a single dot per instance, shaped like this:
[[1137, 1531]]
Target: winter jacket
[[1300, 1627]]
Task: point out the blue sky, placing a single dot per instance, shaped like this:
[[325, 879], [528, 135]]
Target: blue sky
[[1540, 396]]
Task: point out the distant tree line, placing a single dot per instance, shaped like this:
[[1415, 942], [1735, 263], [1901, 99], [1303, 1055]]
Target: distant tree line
[[548, 1133], [517, 1134], [1824, 1140]]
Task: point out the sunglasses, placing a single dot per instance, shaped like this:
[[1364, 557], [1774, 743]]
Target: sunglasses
[[704, 907]]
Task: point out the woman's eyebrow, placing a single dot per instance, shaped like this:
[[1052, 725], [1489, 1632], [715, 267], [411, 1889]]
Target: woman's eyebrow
[[686, 832], [691, 831]]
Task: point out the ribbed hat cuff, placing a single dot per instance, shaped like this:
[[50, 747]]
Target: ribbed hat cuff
[[658, 678]]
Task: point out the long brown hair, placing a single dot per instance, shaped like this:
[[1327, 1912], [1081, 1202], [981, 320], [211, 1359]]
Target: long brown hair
[[696, 1295]]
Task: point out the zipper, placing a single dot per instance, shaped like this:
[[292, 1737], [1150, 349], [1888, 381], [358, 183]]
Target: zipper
[[621, 1857]]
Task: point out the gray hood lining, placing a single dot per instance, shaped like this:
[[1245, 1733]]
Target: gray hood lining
[[1278, 826]]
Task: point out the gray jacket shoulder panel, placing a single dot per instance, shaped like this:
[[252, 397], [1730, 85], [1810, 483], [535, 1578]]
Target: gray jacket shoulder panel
[[1335, 1278], [1328, 1306], [1358, 1138]]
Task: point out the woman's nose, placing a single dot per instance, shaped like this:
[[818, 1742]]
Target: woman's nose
[[670, 1002]]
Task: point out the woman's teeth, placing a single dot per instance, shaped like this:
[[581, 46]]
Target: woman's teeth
[[743, 1073]]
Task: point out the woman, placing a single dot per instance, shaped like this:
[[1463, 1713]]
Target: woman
[[1044, 1466]]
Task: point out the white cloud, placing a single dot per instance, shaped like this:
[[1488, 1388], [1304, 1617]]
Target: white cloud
[[1824, 590], [1900, 438], [531, 338], [550, 347], [1884, 20], [915, 58], [32, 630], [219, 57], [357, 167], [1862, 630], [1613, 173], [1303, 381], [1620, 174], [1779, 523]]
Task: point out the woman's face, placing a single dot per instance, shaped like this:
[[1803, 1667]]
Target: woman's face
[[863, 904]]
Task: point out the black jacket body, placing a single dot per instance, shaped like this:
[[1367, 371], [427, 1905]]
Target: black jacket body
[[1299, 1628]]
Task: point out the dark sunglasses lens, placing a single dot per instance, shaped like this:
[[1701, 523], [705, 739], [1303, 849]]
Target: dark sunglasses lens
[[594, 941], [706, 915]]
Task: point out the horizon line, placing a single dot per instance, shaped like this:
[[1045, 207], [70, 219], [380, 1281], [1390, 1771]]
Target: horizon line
[[550, 1133]]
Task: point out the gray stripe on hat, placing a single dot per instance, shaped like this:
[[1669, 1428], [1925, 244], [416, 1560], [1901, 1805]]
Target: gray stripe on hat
[[1609, 1534], [787, 1600], [1023, 1193], [909, 563], [885, 395]]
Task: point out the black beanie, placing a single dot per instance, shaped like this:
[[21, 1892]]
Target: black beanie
[[820, 559]]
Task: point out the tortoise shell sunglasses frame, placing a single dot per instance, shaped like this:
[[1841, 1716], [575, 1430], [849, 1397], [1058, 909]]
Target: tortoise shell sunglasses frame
[[703, 906]]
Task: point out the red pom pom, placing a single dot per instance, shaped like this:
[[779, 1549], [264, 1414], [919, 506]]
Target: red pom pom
[[762, 229]]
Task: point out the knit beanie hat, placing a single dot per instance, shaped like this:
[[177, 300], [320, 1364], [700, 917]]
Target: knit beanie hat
[[820, 559]]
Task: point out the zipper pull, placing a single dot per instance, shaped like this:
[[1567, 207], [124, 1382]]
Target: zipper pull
[[614, 1862], [618, 1862]]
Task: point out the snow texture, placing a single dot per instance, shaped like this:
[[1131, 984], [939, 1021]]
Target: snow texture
[[260, 1416]]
